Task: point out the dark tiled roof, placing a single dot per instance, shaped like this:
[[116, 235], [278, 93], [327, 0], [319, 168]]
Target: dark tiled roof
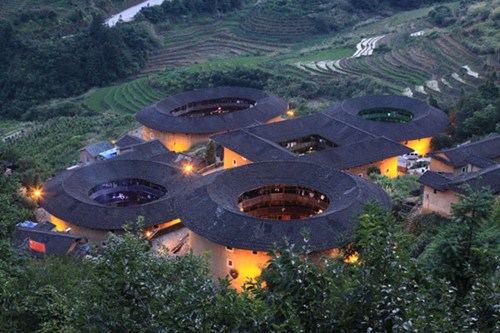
[[158, 116], [320, 124], [128, 140], [436, 180], [357, 154], [489, 176], [427, 121], [477, 153], [155, 151], [66, 195], [209, 207], [98, 148], [253, 147], [56, 243], [45, 226], [149, 150], [357, 147]]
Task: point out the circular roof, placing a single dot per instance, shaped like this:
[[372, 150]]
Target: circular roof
[[66, 196], [427, 121], [209, 207], [159, 116]]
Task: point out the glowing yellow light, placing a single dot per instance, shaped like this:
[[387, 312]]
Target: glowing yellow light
[[353, 258], [36, 193], [148, 234], [188, 168], [290, 113]]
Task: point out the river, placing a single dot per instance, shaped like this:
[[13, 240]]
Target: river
[[129, 13]]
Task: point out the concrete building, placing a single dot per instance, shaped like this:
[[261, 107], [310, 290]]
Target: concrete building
[[398, 118], [237, 214], [189, 118]]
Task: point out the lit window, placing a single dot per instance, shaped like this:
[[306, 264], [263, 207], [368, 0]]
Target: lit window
[[151, 135], [229, 263], [229, 248]]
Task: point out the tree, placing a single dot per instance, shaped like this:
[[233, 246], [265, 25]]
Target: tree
[[462, 251], [210, 153]]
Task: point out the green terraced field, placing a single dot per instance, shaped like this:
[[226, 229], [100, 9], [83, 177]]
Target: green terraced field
[[128, 97]]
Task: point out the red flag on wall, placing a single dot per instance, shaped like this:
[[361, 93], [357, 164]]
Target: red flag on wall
[[36, 246]]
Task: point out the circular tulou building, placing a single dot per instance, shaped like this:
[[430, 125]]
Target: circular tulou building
[[237, 214], [189, 118], [402, 119], [103, 197]]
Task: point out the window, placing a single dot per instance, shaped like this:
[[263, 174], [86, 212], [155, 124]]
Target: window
[[234, 162], [254, 252], [229, 248], [464, 169], [387, 171], [435, 191], [229, 263], [360, 175], [151, 135]]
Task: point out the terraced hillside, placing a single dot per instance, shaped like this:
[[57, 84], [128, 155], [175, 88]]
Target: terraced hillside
[[435, 65], [125, 98], [406, 53], [273, 27], [202, 42]]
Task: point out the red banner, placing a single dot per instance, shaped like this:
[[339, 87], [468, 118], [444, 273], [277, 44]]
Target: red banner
[[36, 246]]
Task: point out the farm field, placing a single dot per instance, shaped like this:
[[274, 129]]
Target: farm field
[[403, 52]]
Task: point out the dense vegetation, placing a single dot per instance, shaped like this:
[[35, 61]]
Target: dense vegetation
[[474, 115], [182, 10], [450, 284], [34, 69]]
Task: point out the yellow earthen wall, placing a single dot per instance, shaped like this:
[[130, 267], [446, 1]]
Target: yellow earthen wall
[[232, 159], [439, 202], [388, 167], [421, 146], [180, 142], [248, 264], [95, 236], [440, 166], [177, 142]]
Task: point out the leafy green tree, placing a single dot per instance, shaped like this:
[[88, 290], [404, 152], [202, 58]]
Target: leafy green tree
[[441, 141], [462, 251], [441, 16]]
